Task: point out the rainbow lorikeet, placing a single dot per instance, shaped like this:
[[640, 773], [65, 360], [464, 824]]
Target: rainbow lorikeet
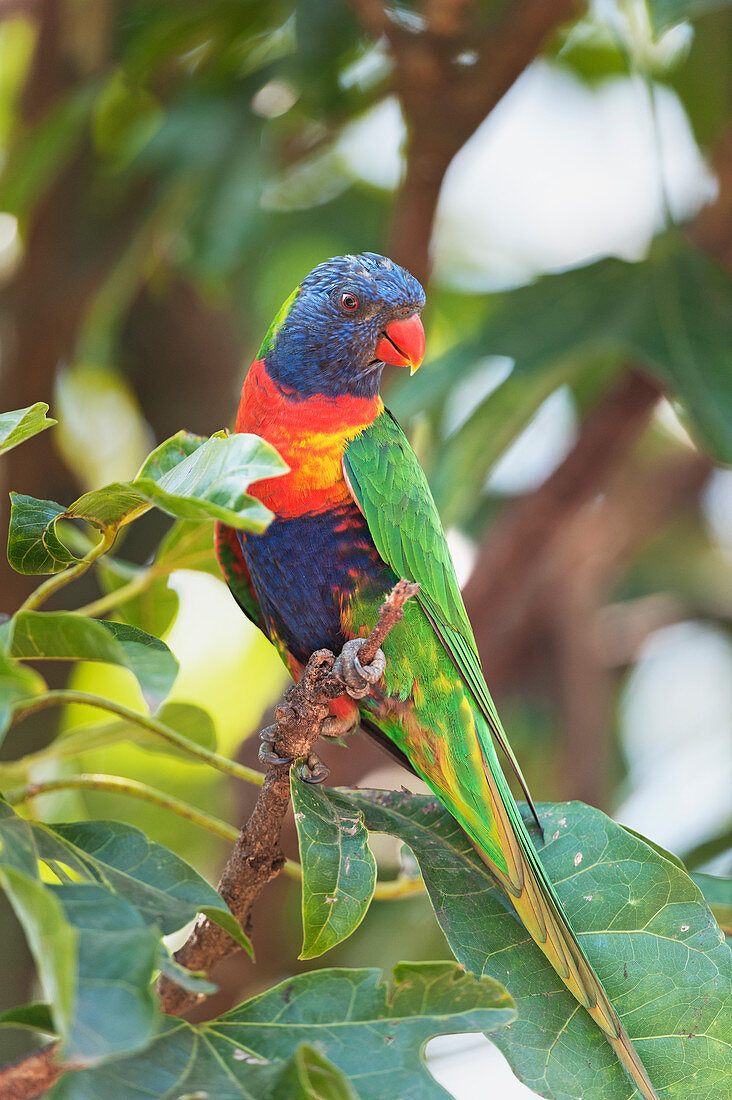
[[353, 515]]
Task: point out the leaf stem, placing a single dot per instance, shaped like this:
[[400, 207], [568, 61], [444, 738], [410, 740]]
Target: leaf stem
[[65, 696], [59, 580], [121, 785], [398, 888], [119, 596]]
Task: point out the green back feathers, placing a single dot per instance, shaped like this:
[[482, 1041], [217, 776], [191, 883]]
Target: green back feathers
[[392, 491], [277, 324]]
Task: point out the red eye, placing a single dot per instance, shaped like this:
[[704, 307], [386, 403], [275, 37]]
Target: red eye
[[349, 302]]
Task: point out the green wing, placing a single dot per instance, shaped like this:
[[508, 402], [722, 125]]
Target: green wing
[[390, 487]]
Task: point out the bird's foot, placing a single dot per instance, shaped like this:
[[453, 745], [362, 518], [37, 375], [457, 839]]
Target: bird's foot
[[267, 755], [313, 770], [358, 678]]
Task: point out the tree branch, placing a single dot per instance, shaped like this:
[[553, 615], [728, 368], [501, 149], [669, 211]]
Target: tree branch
[[449, 74], [257, 856]]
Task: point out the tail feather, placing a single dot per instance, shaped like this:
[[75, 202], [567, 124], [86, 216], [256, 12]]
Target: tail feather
[[540, 910]]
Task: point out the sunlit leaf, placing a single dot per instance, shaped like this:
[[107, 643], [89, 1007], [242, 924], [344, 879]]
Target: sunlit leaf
[[61, 635], [339, 870], [22, 424], [639, 917], [310, 1076], [188, 476], [374, 1036]]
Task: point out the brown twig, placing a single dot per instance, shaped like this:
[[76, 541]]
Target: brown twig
[[449, 73], [390, 613], [31, 1076], [257, 856]]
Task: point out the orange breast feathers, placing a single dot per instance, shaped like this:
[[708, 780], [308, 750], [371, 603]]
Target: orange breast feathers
[[310, 434]]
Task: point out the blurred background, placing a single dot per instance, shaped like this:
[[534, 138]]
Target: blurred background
[[560, 177]]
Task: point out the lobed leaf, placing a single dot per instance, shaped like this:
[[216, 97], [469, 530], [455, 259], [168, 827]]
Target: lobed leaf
[[372, 1036], [338, 868], [640, 919]]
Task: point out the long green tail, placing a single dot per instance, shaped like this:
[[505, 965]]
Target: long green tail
[[434, 720]]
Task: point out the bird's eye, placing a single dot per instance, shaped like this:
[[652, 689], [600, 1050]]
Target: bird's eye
[[349, 302]]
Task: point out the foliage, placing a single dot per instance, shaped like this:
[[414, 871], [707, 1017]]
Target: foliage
[[201, 156], [95, 899]]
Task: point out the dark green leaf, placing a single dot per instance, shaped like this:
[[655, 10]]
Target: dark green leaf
[[33, 545], [310, 1076], [164, 889], [22, 424], [373, 1036], [641, 920], [61, 635], [36, 1016], [339, 870]]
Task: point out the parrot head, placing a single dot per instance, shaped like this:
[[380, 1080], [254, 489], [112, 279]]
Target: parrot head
[[345, 320]]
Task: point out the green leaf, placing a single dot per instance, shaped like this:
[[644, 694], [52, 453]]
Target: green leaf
[[670, 314], [116, 1008], [22, 424], [33, 544], [210, 482], [161, 886], [153, 609], [192, 721], [310, 1076], [61, 635], [189, 545], [51, 939], [718, 894], [641, 920], [36, 1016], [339, 870], [375, 1037], [188, 477], [96, 936]]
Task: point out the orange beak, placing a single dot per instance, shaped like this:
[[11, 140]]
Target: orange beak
[[402, 343]]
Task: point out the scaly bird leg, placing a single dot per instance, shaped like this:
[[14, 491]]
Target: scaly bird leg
[[358, 678]]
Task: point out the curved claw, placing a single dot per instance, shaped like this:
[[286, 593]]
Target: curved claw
[[266, 753], [314, 770], [358, 678], [266, 756]]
